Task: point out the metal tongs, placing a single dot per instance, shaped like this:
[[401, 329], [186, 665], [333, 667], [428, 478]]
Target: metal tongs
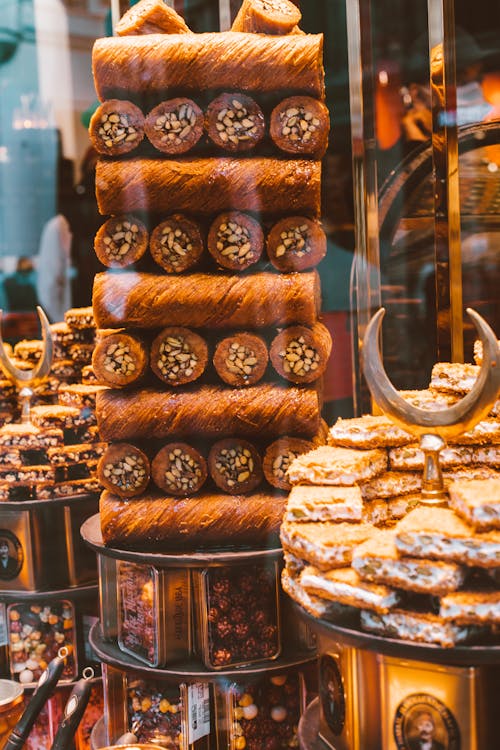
[[73, 710], [46, 684]]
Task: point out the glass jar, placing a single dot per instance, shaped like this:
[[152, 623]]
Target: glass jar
[[11, 708]]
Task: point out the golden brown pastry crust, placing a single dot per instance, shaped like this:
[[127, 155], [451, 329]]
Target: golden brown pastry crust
[[124, 469], [174, 126], [151, 17], [116, 127], [176, 243], [120, 359], [198, 300], [241, 359], [208, 186], [300, 125], [162, 522], [295, 244], [121, 241], [209, 411], [153, 64], [301, 354], [261, 17]]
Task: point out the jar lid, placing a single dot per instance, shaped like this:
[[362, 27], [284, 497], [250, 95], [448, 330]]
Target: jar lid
[[10, 693]]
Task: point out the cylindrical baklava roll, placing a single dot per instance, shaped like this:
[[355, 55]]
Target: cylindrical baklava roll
[[321, 437], [278, 457], [301, 354], [235, 465], [174, 126], [300, 125], [179, 469], [176, 244], [121, 241], [209, 186], [235, 122], [267, 17], [241, 359], [209, 411], [164, 523], [198, 300], [296, 243], [151, 17], [178, 355], [116, 127], [120, 359], [143, 66], [124, 470], [235, 240]]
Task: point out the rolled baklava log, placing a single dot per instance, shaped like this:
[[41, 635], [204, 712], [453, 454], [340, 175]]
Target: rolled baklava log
[[241, 359], [235, 122], [267, 17], [124, 470], [209, 411], [178, 355], [278, 457], [296, 244], [134, 66], [120, 359], [176, 244], [121, 241], [151, 17], [209, 186], [163, 522], [235, 240], [174, 126], [235, 465], [142, 300], [301, 354], [116, 127], [179, 469], [300, 125]]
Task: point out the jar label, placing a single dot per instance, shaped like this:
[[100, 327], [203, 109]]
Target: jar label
[[423, 722], [199, 711]]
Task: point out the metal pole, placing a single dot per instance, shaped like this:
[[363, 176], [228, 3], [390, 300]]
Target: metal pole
[[367, 255], [224, 15], [448, 256]]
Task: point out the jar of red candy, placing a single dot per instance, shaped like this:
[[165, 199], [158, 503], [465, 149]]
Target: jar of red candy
[[237, 610]]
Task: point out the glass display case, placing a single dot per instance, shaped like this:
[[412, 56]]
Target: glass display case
[[210, 200]]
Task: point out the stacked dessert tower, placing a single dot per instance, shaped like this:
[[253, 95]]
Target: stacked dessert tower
[[55, 455], [213, 352], [48, 486]]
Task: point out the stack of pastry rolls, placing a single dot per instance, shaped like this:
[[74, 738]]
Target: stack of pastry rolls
[[210, 343]]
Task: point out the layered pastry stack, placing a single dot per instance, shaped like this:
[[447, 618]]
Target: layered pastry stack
[[56, 454], [360, 545], [211, 344], [74, 341]]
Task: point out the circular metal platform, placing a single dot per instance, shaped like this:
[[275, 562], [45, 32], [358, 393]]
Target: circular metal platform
[[110, 654], [91, 533], [464, 656]]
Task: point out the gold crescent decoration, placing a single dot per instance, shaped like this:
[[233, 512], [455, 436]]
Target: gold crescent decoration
[[23, 379], [426, 423]]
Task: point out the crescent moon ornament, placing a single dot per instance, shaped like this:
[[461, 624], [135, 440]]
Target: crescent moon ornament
[[24, 379], [433, 427]]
